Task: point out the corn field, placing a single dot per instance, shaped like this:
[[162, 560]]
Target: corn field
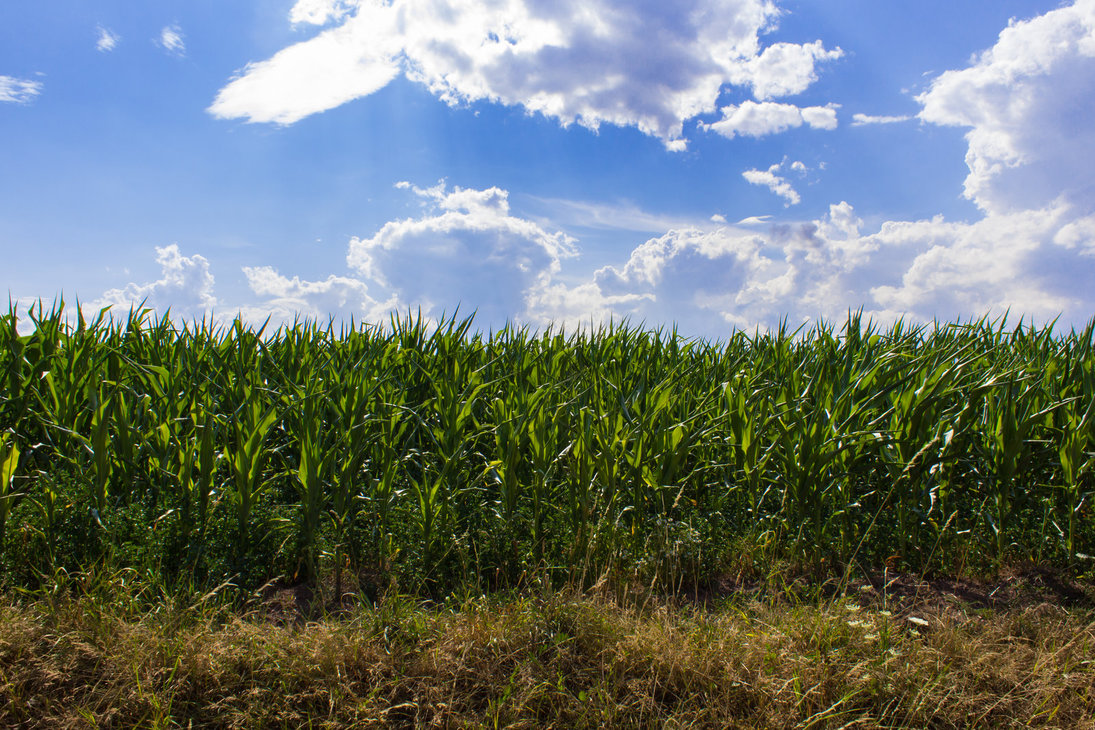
[[439, 457]]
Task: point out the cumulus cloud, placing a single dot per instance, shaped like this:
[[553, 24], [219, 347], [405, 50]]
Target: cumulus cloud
[[783, 69], [185, 287], [1028, 103], [171, 40], [753, 119], [18, 91], [776, 183], [284, 299], [653, 66], [468, 249], [859, 120], [107, 40], [708, 281], [465, 249], [1003, 261]]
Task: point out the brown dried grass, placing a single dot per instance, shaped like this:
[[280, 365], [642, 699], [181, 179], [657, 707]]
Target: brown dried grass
[[559, 661]]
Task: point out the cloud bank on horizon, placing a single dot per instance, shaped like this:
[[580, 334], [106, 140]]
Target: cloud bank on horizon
[[678, 73]]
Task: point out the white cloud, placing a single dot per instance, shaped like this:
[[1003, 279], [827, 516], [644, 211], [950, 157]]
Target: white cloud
[[783, 69], [1078, 235], [820, 117], [578, 307], [185, 286], [858, 120], [1003, 261], [319, 12], [774, 182], [753, 119], [284, 299], [18, 91], [653, 66], [323, 73], [1028, 102], [708, 280], [468, 249], [107, 40], [171, 40], [465, 249]]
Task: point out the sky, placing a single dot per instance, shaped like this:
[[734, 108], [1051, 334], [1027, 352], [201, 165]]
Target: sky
[[707, 164]]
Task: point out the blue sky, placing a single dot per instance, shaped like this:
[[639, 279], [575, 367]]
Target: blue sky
[[710, 163]]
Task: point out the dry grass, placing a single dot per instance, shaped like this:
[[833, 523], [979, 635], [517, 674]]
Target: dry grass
[[562, 661]]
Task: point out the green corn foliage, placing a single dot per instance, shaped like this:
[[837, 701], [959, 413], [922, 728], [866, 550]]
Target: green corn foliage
[[315, 471], [355, 375], [203, 445], [390, 428], [579, 485], [433, 451], [249, 424], [9, 462]]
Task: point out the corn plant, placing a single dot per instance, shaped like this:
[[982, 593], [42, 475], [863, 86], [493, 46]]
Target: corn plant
[[354, 384], [1013, 410], [315, 471], [9, 462], [249, 424]]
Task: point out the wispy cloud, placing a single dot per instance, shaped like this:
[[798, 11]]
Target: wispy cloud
[[107, 41], [618, 216], [18, 91], [775, 182], [171, 40], [858, 120]]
